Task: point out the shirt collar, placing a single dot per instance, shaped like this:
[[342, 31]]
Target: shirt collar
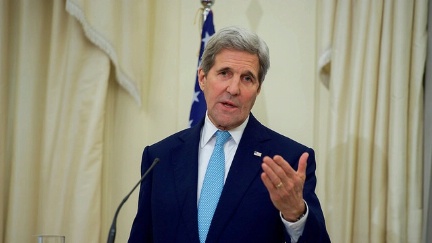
[[209, 130]]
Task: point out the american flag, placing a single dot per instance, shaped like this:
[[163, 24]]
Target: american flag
[[199, 107]]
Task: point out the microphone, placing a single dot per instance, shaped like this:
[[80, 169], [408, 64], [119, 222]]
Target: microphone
[[113, 229]]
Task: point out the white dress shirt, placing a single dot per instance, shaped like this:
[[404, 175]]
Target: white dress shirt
[[206, 146]]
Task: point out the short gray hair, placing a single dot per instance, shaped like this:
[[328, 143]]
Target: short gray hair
[[236, 38]]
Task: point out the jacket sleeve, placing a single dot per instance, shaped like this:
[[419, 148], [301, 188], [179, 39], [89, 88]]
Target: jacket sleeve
[[141, 228]]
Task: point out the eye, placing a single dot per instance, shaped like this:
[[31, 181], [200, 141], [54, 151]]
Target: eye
[[248, 78], [225, 74]]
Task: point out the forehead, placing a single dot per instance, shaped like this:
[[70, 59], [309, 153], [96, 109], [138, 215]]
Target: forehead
[[234, 59]]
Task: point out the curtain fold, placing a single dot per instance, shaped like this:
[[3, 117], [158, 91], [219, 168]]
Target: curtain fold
[[117, 28], [427, 181], [374, 59], [5, 19]]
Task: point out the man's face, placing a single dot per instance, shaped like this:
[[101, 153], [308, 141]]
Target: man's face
[[230, 87]]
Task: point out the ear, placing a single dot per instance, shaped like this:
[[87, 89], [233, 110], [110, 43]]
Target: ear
[[201, 78]]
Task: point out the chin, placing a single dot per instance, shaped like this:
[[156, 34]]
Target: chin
[[229, 125]]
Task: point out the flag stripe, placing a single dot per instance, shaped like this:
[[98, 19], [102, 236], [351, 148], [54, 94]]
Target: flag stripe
[[199, 107]]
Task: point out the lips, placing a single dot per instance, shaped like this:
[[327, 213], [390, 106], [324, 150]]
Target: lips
[[229, 104]]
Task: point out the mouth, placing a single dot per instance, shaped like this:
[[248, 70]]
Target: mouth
[[228, 104]]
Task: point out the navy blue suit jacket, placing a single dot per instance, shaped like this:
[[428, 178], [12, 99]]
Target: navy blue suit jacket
[[167, 208]]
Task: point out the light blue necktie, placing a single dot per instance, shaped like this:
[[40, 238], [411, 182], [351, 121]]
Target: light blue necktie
[[212, 185]]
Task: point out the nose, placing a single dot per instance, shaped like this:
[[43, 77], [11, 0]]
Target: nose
[[234, 86]]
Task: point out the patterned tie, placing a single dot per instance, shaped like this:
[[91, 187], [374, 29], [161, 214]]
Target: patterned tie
[[212, 185]]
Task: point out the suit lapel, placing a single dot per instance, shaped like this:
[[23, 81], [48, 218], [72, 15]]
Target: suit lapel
[[245, 168], [185, 164]]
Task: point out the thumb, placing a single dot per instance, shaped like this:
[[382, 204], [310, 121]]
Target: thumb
[[302, 165]]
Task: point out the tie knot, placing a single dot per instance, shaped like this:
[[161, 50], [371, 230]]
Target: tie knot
[[222, 137]]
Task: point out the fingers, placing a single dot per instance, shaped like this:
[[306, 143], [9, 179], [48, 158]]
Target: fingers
[[274, 173], [278, 163], [267, 182], [278, 169]]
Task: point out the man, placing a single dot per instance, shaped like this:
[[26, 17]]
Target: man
[[268, 180]]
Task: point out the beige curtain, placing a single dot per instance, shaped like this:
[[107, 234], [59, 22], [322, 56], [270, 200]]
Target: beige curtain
[[372, 55], [54, 85], [54, 72]]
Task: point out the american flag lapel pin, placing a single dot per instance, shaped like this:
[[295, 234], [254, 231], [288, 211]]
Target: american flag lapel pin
[[256, 153]]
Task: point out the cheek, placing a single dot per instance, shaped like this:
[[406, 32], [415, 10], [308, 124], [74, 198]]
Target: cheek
[[250, 100], [210, 95], [215, 90]]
